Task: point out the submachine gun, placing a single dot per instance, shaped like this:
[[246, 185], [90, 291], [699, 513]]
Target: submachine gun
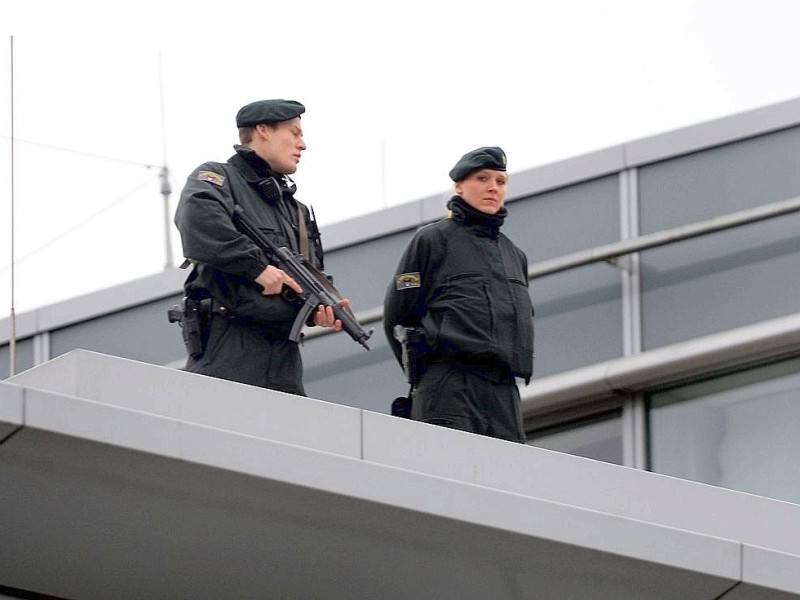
[[317, 288]]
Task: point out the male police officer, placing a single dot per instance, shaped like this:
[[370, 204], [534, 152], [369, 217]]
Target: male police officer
[[241, 299]]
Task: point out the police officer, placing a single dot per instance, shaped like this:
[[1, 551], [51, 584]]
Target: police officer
[[463, 285], [247, 304]]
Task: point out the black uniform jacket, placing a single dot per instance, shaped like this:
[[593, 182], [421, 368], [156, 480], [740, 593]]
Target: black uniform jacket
[[227, 262], [466, 285]]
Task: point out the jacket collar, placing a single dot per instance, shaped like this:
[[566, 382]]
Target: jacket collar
[[255, 169], [483, 224], [252, 166]]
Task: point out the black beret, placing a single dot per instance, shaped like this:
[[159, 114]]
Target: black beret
[[483, 158], [268, 111]]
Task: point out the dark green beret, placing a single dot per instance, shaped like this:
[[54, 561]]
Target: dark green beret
[[268, 111], [483, 158]]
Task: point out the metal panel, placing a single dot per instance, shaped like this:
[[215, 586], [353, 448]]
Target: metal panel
[[563, 173], [188, 397], [163, 507], [11, 407], [284, 522], [590, 484], [713, 133], [771, 570]]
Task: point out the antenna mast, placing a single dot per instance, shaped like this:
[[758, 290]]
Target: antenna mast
[[12, 343], [166, 190]]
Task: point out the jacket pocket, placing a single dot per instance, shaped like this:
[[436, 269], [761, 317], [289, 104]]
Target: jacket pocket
[[462, 315]]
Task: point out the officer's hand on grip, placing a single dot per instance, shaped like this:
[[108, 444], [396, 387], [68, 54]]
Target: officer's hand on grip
[[326, 317], [272, 279]]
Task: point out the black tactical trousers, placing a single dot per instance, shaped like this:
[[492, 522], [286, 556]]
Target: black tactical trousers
[[250, 353], [458, 397]]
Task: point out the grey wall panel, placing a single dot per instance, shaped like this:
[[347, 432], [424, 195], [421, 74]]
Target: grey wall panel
[[566, 220], [713, 133], [729, 278], [141, 333], [375, 224], [112, 299], [567, 172], [24, 357], [361, 272], [25, 325], [720, 180]]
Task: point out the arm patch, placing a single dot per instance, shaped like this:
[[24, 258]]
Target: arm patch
[[211, 177], [406, 281]]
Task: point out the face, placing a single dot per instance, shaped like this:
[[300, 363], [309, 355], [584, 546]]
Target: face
[[280, 145], [484, 190]]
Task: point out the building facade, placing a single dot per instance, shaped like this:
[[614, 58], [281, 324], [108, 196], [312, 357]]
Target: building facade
[[665, 275]]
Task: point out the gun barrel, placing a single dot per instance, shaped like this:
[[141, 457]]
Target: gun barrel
[[351, 326]]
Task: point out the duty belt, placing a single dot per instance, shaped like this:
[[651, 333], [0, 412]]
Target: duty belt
[[212, 307], [480, 366]]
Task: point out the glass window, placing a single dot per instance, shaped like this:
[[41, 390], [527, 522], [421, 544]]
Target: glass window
[[599, 438], [695, 287], [738, 431]]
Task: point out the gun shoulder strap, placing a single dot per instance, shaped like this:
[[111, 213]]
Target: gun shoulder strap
[[303, 232]]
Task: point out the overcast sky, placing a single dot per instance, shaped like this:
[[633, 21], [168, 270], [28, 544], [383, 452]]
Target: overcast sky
[[107, 93]]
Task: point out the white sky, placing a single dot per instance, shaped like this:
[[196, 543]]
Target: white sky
[[395, 92]]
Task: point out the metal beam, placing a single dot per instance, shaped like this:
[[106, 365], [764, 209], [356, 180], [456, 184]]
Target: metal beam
[[651, 369], [662, 238], [622, 248]]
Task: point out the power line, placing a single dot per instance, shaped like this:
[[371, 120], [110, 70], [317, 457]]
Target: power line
[[82, 153], [80, 224], [166, 190]]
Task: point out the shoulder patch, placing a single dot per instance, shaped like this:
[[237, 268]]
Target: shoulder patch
[[406, 281], [211, 177]]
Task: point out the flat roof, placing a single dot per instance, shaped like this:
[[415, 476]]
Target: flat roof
[[125, 479]]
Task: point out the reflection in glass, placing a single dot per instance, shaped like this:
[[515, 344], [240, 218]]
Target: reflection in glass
[[739, 431], [599, 438]]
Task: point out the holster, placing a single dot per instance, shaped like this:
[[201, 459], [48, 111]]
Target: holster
[[193, 321], [412, 342], [414, 349]]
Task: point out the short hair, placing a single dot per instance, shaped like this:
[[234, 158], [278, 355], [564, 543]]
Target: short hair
[[246, 133]]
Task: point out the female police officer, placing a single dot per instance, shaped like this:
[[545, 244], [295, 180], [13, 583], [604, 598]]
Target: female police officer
[[463, 285]]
